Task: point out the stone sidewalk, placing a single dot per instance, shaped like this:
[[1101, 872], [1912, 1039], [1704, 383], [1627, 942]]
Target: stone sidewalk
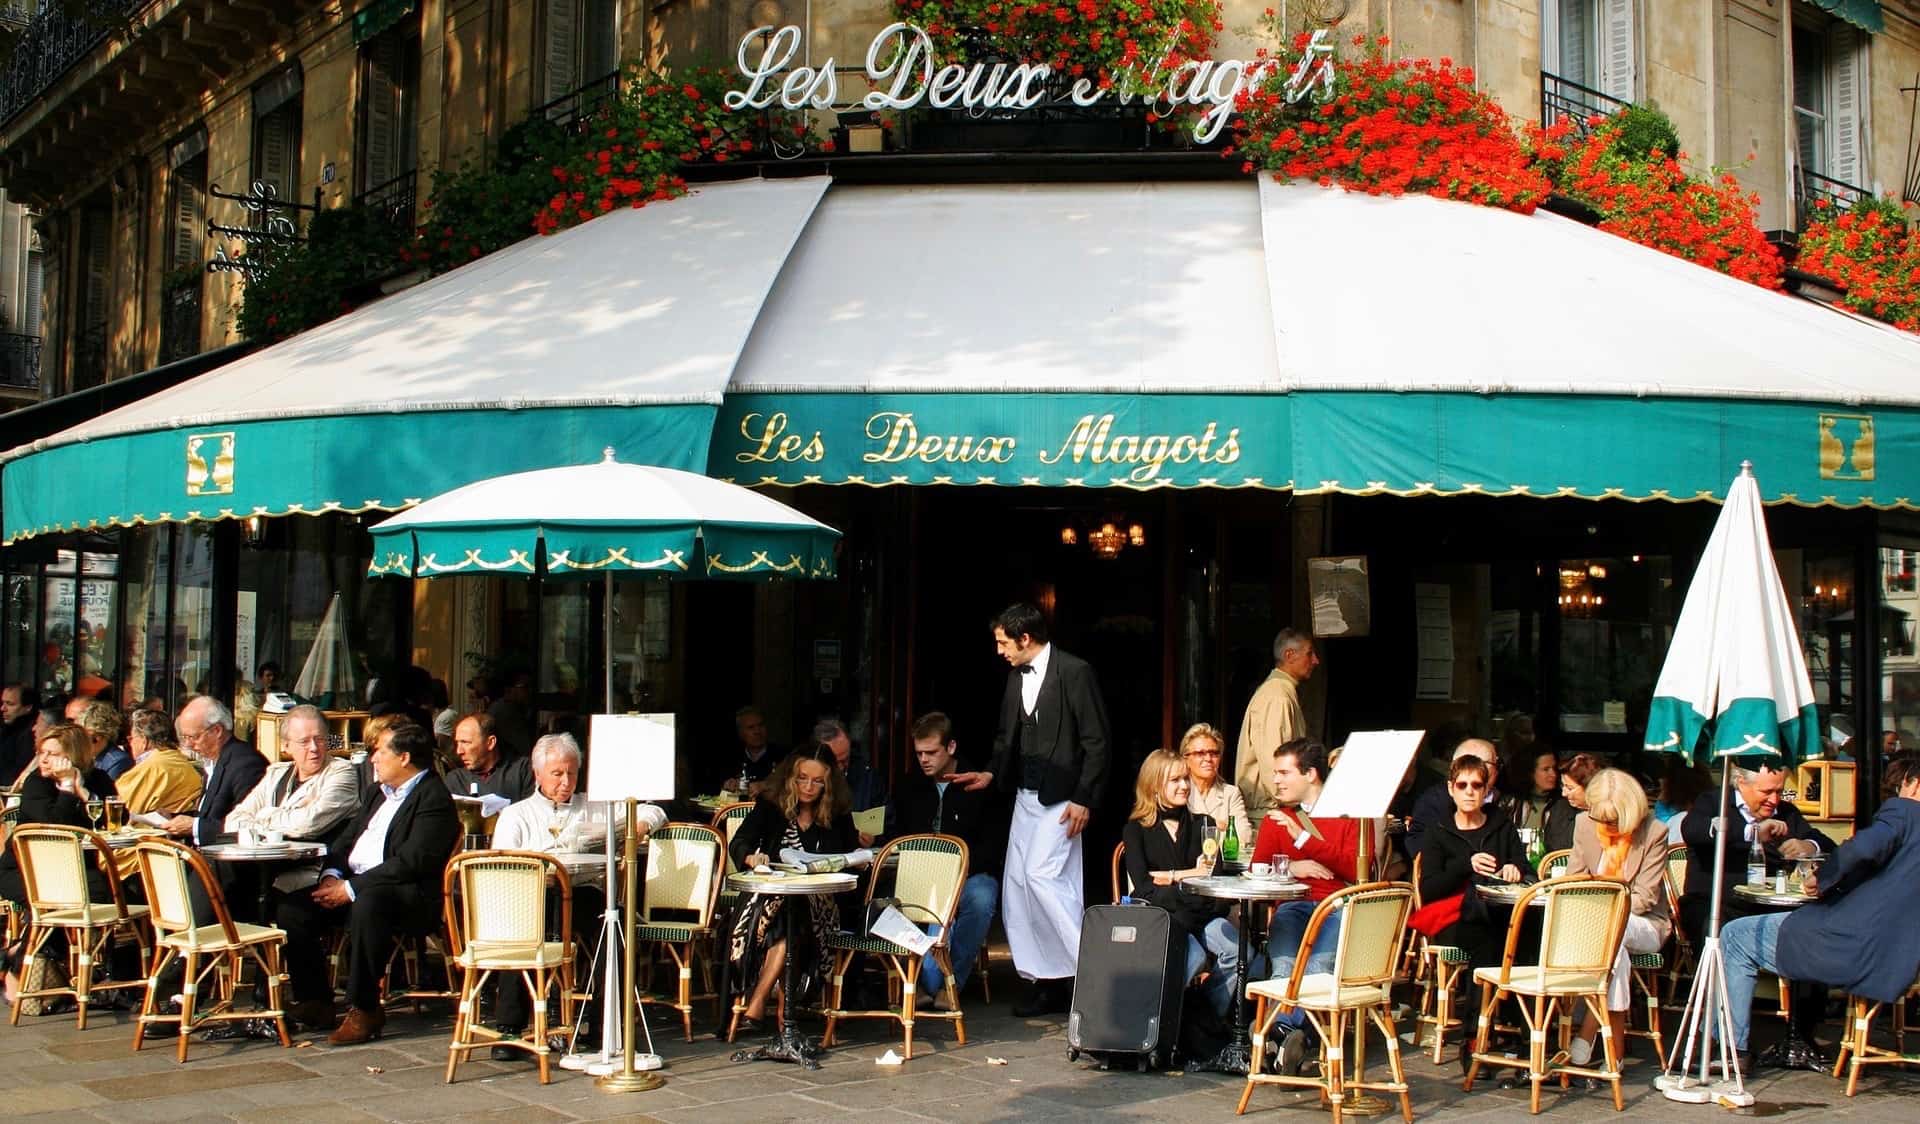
[[48, 1070]]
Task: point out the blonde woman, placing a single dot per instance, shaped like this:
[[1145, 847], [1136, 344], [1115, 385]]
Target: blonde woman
[[1616, 837], [1203, 748], [1162, 837]]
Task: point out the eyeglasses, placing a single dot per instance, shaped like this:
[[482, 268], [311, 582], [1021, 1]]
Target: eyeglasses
[[188, 736], [1469, 786], [1203, 753]]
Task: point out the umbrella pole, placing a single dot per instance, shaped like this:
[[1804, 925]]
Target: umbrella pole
[[1708, 1019], [606, 638]]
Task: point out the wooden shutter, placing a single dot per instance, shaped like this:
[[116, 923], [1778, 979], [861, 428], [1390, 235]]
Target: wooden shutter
[[36, 291], [276, 153], [1846, 116], [98, 263], [563, 49], [1617, 49], [380, 111], [187, 213]]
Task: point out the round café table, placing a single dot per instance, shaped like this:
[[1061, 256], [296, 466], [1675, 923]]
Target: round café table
[[1772, 899], [1237, 1055], [1508, 893], [790, 1045], [289, 851]]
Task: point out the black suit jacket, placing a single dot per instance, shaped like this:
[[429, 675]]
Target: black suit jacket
[[1072, 734], [1697, 830], [979, 818], [235, 773], [420, 840]]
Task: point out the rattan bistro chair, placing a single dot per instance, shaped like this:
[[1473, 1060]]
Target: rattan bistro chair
[[1439, 970], [926, 888], [1553, 864], [213, 954], [1358, 990], [53, 867], [683, 885], [496, 905], [1856, 1048], [1580, 935]]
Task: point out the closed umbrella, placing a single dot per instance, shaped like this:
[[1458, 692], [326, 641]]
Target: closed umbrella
[[1734, 685], [328, 673]]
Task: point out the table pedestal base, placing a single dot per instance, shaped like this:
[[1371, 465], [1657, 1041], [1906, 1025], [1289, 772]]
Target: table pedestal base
[[790, 1045], [1234, 1057], [1365, 1104]]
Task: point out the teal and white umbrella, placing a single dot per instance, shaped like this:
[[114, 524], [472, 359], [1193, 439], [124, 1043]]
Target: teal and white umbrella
[[1735, 666], [1735, 683]]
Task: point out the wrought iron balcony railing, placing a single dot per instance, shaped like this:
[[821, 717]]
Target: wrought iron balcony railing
[[58, 36], [19, 361], [1820, 195], [395, 200], [180, 320], [1562, 98], [571, 108]]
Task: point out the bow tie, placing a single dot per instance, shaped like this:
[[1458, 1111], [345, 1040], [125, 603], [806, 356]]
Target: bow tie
[[1028, 669]]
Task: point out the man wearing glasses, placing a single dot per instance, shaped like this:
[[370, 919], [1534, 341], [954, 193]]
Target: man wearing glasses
[[205, 727]]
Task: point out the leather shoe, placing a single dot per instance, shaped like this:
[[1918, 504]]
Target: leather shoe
[[359, 1026], [508, 1053], [1049, 997], [313, 1014]]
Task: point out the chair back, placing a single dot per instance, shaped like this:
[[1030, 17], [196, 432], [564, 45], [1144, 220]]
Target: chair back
[[683, 864], [53, 864], [1553, 864], [1585, 919], [1375, 922], [930, 873], [1121, 888], [496, 901], [727, 822], [1676, 876], [168, 871], [1417, 903]]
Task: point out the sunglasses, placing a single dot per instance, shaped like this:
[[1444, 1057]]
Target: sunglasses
[[1469, 786], [1203, 753]]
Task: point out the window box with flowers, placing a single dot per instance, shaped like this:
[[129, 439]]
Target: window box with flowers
[[1870, 253]]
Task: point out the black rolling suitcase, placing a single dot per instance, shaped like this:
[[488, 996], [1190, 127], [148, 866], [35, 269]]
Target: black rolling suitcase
[[1127, 987]]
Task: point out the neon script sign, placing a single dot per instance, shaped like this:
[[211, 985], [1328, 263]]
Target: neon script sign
[[903, 74]]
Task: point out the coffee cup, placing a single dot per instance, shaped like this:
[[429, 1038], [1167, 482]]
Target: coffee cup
[[273, 838], [1261, 870]]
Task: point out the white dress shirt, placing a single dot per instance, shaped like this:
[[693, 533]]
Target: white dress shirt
[[527, 825], [370, 850], [1030, 682]]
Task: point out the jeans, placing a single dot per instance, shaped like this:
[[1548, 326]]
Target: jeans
[[979, 897], [1222, 941], [1283, 947], [1748, 945]]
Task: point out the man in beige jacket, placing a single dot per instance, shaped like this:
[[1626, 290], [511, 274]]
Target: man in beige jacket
[[1273, 718]]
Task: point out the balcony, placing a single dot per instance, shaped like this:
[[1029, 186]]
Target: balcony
[[180, 319], [1564, 99], [572, 110], [394, 200], [19, 362], [86, 75], [1817, 196]]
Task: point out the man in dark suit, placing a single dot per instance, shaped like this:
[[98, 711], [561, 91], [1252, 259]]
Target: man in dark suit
[[927, 803], [205, 728], [1051, 751], [381, 877], [1756, 817], [1861, 935]]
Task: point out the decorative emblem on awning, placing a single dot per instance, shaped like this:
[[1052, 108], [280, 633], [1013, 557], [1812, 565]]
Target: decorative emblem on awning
[[216, 480]]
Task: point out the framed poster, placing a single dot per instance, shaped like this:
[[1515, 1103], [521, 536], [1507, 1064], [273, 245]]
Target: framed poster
[[1337, 591]]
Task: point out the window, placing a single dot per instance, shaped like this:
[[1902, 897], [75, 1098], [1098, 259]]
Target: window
[[1829, 77], [389, 110], [276, 135], [96, 288], [582, 53], [1590, 43], [185, 248]]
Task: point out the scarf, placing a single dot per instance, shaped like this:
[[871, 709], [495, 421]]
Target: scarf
[[1614, 845]]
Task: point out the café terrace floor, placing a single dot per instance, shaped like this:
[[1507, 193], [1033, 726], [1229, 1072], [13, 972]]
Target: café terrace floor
[[50, 1071]]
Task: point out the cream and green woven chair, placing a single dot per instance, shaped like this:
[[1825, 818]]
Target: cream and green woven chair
[[676, 913], [1358, 990], [1581, 929], [1553, 864], [1856, 1047], [1682, 965], [53, 867], [213, 956], [496, 905], [1438, 969], [930, 872]]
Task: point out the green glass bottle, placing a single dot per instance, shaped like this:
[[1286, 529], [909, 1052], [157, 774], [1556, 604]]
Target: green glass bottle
[[1230, 846]]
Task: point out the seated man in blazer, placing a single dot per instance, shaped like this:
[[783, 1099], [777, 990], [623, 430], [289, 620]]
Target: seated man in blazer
[[381, 878], [205, 729]]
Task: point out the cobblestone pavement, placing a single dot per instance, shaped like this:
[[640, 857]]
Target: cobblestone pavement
[[49, 1070]]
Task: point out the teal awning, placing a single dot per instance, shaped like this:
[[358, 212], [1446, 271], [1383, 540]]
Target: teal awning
[[1863, 14], [375, 16], [622, 332]]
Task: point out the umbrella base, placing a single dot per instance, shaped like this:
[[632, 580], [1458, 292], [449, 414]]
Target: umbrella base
[[1691, 1090]]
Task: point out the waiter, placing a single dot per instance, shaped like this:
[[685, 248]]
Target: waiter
[[1051, 751]]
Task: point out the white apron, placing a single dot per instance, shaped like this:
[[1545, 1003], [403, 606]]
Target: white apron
[[1043, 892]]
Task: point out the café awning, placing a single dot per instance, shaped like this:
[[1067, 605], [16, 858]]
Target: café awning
[[1226, 334], [620, 333]]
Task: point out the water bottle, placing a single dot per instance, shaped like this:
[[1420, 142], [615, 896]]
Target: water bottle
[[1756, 867], [744, 782], [1230, 846]]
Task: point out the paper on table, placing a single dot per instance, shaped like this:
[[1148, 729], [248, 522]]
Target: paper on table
[[807, 862], [1363, 784], [893, 925], [490, 803], [151, 819], [872, 822]]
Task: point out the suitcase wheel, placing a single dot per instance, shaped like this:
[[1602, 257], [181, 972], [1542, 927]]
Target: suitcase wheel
[[1073, 1053], [1140, 1063]]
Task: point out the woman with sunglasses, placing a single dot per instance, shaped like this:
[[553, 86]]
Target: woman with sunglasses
[[1474, 846], [804, 811]]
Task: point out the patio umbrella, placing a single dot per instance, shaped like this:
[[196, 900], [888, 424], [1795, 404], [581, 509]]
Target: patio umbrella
[[1734, 685], [598, 520], [328, 672]]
